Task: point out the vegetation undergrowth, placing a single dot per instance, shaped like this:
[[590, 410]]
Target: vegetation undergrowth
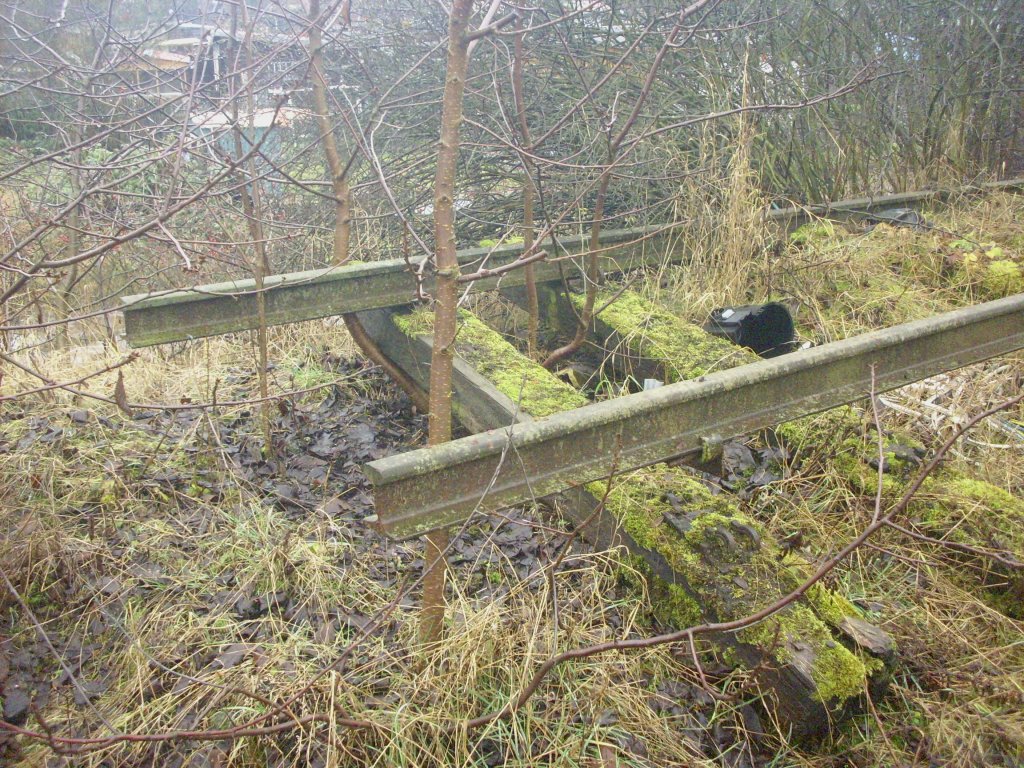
[[175, 565], [956, 692]]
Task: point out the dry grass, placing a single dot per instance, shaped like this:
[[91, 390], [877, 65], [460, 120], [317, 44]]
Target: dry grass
[[174, 648], [958, 690], [147, 578], [150, 578]]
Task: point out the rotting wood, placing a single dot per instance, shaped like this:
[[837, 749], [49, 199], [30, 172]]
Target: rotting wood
[[477, 405], [967, 516], [641, 339], [714, 565]]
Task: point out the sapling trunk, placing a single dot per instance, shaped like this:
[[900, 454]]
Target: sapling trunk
[[446, 298], [341, 251], [532, 303], [592, 275], [252, 207]]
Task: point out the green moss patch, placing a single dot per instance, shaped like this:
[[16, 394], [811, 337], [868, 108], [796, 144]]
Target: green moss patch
[[993, 270], [949, 506], [1002, 278], [811, 433], [538, 392], [730, 570], [684, 351], [726, 568], [972, 512]]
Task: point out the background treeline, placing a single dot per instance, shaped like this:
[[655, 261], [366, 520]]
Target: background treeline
[[109, 187]]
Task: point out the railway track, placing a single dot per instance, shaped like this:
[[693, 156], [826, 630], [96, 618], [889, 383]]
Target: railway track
[[515, 456]]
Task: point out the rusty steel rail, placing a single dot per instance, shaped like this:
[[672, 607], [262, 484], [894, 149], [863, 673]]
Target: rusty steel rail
[[435, 487], [210, 310], [862, 207]]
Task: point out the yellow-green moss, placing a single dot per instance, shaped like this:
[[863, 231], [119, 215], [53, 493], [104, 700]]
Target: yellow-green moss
[[994, 270], [415, 323], [828, 428], [730, 571], [948, 506], [491, 243], [850, 464], [538, 392], [973, 512], [1002, 278], [815, 232], [686, 351], [830, 606], [671, 604], [885, 277], [838, 674]]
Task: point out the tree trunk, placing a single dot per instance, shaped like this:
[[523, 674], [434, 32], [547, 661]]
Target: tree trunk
[[447, 296], [343, 206], [532, 304], [252, 207]]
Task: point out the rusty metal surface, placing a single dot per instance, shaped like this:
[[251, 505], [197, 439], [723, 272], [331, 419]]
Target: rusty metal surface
[[211, 310], [434, 487], [793, 217], [480, 405]]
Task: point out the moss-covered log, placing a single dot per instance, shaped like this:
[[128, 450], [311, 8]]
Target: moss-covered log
[[643, 340], [704, 559], [638, 337], [535, 391], [950, 506], [725, 566]]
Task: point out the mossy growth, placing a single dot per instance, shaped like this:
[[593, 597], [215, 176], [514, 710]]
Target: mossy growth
[[309, 374], [828, 429], [975, 513], [815, 232], [492, 243], [841, 437], [949, 506], [1002, 278], [854, 457], [838, 674], [672, 604], [887, 276], [851, 464], [728, 569], [537, 391], [685, 351], [993, 270], [829, 605]]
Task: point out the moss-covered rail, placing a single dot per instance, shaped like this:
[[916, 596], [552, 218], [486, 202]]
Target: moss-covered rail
[[209, 310], [439, 486], [702, 558]]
